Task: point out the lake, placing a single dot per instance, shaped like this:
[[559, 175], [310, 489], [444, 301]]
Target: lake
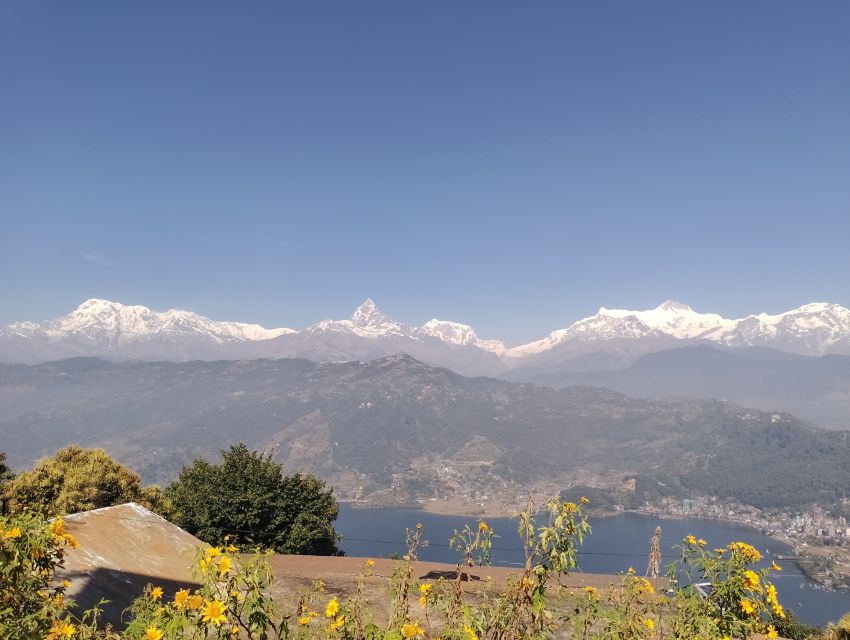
[[617, 543]]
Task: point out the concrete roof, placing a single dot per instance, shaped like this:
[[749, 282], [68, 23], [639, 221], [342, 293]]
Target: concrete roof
[[122, 549]]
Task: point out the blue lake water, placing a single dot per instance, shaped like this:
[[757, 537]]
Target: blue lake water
[[617, 543]]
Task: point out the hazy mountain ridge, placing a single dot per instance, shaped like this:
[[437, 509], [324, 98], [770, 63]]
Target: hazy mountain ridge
[[816, 389], [613, 338], [359, 424]]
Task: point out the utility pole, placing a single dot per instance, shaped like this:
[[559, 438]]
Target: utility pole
[[654, 565]]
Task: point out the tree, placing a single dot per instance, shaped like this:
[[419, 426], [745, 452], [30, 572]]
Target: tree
[[248, 498], [75, 479]]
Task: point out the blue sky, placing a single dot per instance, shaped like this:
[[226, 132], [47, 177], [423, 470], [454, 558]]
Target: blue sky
[[510, 165]]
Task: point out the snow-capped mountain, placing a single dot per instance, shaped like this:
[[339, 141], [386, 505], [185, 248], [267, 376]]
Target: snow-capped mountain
[[459, 334], [104, 328], [367, 321], [612, 338]]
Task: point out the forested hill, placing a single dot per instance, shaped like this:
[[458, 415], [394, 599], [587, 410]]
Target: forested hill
[[359, 423]]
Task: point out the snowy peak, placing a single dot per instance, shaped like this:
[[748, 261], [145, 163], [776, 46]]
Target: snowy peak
[[367, 321], [674, 306], [812, 329], [458, 334], [367, 315], [103, 321], [672, 318], [104, 328]]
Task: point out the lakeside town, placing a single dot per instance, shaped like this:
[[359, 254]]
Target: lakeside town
[[820, 540]]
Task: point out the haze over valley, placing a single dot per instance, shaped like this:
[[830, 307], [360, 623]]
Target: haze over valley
[[797, 361]]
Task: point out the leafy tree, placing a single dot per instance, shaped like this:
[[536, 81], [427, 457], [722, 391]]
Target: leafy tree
[[75, 479], [248, 498]]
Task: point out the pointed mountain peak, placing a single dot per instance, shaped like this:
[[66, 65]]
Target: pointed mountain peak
[[368, 315], [368, 305]]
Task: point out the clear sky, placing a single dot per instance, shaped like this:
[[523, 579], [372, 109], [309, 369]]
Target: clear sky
[[511, 165]]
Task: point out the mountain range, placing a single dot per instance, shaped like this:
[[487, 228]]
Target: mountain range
[[403, 429], [794, 361], [611, 339]]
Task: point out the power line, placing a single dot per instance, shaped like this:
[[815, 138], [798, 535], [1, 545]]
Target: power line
[[399, 543]]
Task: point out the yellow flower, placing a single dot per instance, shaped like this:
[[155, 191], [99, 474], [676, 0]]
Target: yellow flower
[[775, 566], [232, 549], [234, 593], [213, 552], [224, 566], [630, 570], [66, 583], [214, 611], [11, 534], [570, 507], [470, 632], [57, 528], [701, 542], [771, 631], [195, 602], [691, 539], [333, 608], [650, 624], [779, 611], [156, 594], [304, 620], [370, 563], [748, 606], [771, 595], [584, 500], [646, 586], [412, 630], [425, 589], [181, 599], [751, 581], [483, 527], [337, 624], [748, 551], [592, 591], [152, 633], [61, 629], [423, 601]]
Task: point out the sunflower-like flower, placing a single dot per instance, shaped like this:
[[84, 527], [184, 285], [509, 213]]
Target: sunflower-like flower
[[333, 608], [214, 611], [181, 599], [748, 606], [152, 633], [752, 581]]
